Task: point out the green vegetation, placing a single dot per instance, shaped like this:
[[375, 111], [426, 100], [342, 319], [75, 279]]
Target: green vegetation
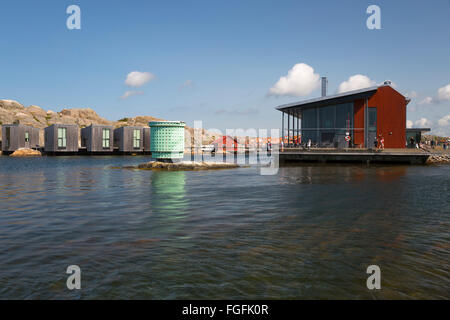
[[124, 120]]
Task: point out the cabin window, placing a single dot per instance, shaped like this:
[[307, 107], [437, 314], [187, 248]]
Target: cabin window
[[105, 138], [27, 136], [62, 137], [136, 139]]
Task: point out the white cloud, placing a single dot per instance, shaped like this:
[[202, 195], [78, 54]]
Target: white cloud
[[300, 81], [426, 101], [409, 124], [412, 94], [423, 123], [358, 81], [138, 79], [128, 94], [444, 121], [444, 93]]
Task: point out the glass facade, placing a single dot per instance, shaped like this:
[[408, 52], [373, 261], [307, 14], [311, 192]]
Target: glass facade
[[327, 126]]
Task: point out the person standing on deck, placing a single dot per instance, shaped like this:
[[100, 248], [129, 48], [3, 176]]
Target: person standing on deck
[[381, 142]]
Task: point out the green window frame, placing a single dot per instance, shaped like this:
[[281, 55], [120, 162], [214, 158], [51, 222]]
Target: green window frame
[[136, 138], [27, 136], [62, 138], [106, 138]]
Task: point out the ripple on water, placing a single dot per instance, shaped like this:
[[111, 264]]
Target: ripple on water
[[307, 232]]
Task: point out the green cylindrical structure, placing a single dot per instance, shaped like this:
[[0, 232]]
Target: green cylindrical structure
[[167, 139]]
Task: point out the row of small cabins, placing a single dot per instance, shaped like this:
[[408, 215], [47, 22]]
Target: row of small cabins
[[63, 138]]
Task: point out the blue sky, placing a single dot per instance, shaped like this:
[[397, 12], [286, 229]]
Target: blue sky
[[216, 61]]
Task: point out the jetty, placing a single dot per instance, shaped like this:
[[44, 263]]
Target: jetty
[[368, 156]]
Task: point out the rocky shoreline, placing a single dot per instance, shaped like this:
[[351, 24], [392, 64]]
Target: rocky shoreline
[[25, 152], [184, 165], [439, 158]]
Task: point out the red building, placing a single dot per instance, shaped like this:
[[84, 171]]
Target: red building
[[226, 143], [351, 119]]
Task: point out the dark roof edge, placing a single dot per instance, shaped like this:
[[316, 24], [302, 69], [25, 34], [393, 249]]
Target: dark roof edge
[[332, 97]]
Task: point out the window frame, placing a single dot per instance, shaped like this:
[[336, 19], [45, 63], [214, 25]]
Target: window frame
[[136, 138], [106, 141], [62, 139]]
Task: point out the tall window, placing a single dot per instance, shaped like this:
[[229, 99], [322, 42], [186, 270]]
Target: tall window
[[373, 119], [27, 136], [136, 139], [105, 139], [62, 137]]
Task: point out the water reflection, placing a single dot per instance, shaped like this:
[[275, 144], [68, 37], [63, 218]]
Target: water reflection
[[168, 193]]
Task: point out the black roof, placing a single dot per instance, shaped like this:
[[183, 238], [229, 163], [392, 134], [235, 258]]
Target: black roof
[[348, 96]]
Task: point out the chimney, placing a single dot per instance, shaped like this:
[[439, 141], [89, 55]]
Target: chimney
[[324, 86]]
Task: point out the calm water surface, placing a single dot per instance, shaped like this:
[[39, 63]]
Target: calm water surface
[[309, 232]]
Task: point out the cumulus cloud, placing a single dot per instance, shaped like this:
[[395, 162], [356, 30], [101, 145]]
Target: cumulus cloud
[[138, 79], [409, 124], [300, 81], [358, 81], [128, 94], [443, 127], [412, 94], [444, 121], [444, 93], [426, 101], [422, 123]]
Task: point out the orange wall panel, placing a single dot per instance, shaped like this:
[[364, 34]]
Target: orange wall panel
[[391, 116]]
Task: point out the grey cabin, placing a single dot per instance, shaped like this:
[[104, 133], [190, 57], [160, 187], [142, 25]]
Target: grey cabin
[[129, 139], [146, 133], [16, 136], [61, 138], [97, 138]]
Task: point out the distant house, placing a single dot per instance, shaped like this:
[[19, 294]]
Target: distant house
[[225, 143], [97, 138], [16, 136], [129, 139], [61, 138]]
